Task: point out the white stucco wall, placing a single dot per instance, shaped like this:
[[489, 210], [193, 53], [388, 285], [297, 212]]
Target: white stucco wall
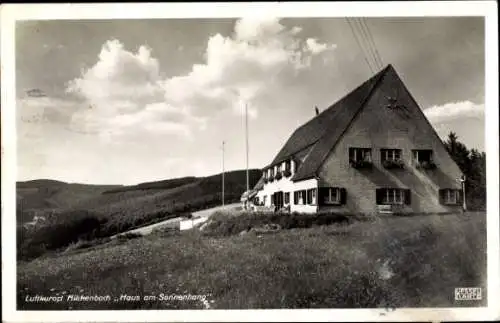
[[286, 185]]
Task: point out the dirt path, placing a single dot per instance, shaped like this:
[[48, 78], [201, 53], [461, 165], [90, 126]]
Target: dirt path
[[175, 221]]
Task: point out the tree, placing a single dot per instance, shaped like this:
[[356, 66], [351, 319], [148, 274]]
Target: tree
[[473, 164]]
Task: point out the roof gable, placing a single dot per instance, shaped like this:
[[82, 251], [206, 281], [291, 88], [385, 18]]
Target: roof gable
[[319, 135], [337, 117]]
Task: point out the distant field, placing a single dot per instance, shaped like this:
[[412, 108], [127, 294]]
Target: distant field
[[388, 262]]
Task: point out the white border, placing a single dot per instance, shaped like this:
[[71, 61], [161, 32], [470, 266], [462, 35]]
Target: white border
[[11, 12]]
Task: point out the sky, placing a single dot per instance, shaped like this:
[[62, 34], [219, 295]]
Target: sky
[[129, 101]]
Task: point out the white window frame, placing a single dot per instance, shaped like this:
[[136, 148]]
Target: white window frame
[[394, 196], [313, 197], [451, 196], [390, 154], [333, 196], [415, 155], [365, 152]]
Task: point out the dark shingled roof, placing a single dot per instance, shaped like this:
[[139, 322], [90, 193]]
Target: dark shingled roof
[[321, 133]]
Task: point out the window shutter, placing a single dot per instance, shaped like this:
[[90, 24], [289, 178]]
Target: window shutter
[[408, 197], [442, 196], [319, 197], [378, 195], [460, 197], [343, 196]]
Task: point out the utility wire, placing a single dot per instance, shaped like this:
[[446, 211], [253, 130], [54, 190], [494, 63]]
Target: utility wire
[[372, 41], [360, 46], [365, 39]]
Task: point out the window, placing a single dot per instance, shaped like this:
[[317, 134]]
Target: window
[[422, 155], [332, 195], [287, 198], [288, 165], [393, 196], [360, 157], [311, 196], [300, 197], [391, 158], [264, 199], [390, 154], [450, 196], [423, 159], [360, 154]]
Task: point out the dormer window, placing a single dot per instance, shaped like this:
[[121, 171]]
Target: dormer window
[[288, 169]]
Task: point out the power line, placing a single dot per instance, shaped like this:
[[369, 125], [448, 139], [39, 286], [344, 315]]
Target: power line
[[371, 39], [360, 46], [366, 38]]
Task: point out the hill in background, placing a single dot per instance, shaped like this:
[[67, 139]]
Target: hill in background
[[45, 197]]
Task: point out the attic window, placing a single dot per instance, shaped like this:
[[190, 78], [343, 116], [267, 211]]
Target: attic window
[[422, 158]]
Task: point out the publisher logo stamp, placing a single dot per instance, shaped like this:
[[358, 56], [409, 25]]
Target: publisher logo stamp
[[468, 294]]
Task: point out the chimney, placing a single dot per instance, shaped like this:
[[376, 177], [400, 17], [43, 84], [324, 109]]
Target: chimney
[[317, 110]]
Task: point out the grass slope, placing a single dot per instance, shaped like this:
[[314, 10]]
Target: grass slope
[[389, 262]]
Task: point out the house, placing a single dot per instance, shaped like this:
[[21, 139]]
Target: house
[[373, 151]]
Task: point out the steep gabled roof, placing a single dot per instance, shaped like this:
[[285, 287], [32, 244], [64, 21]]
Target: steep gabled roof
[[322, 132]]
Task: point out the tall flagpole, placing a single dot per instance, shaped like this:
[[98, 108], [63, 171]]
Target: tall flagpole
[[246, 139], [222, 173]]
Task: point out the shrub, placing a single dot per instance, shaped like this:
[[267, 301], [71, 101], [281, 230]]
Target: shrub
[[426, 165], [393, 164], [360, 164], [63, 230], [223, 224]]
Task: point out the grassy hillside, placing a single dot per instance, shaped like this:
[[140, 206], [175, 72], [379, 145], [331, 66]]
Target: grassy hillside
[[388, 262], [41, 196], [74, 212]]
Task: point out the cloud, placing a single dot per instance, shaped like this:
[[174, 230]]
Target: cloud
[[126, 94], [454, 110], [261, 57]]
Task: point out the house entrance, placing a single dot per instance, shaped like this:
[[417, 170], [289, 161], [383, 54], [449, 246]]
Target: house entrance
[[278, 200]]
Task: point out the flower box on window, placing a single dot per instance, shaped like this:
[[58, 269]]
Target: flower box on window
[[360, 164], [393, 164], [278, 176], [266, 180], [271, 178], [287, 173], [426, 165]]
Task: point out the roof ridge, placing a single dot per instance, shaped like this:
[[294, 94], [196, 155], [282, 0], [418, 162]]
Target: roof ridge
[[310, 133], [375, 82], [345, 95]]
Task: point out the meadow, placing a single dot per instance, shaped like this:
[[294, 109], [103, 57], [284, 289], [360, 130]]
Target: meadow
[[412, 261]]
